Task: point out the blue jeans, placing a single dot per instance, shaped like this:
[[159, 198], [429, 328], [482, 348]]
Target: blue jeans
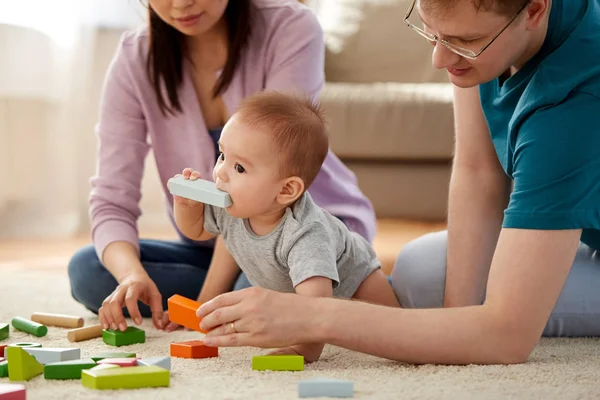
[[419, 279], [175, 267]]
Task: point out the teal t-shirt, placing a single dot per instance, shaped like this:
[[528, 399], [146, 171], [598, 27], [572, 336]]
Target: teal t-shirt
[[545, 125]]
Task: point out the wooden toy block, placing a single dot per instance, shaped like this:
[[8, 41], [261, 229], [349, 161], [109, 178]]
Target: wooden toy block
[[193, 349], [104, 366], [325, 387], [22, 366], [199, 190], [3, 368], [121, 362], [46, 355], [12, 392], [60, 320], [163, 362], [2, 347], [4, 331], [68, 369], [113, 355], [86, 333], [29, 326], [278, 363], [182, 311], [126, 378], [21, 344], [117, 338]]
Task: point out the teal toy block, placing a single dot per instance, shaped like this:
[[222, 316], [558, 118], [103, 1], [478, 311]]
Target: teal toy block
[[278, 363], [68, 369], [20, 344], [46, 355], [4, 331], [199, 190], [117, 338], [3, 368], [325, 387], [163, 362], [126, 378], [113, 355]]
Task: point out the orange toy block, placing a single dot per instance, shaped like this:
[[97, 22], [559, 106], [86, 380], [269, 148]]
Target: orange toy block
[[182, 311], [193, 349]]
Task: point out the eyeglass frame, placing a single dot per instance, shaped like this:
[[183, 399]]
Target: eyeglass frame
[[470, 54]]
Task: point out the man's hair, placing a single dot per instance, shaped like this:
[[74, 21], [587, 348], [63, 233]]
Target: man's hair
[[297, 126], [506, 7]]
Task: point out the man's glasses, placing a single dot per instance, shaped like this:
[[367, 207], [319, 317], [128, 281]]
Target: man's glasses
[[461, 51]]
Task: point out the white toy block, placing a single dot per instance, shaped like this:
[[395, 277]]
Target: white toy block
[[325, 387], [199, 190], [52, 355], [163, 362]]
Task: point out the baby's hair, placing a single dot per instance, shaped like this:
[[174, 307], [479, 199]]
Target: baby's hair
[[297, 125]]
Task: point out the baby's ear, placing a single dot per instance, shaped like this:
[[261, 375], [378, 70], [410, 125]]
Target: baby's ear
[[291, 189]]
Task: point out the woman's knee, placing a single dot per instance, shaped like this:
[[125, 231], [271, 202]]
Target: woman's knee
[[419, 275], [89, 278]]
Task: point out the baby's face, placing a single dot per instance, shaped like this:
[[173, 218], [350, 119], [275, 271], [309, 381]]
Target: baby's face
[[247, 169]]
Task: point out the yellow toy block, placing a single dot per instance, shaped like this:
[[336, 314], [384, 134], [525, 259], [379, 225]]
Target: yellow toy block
[[21, 365], [126, 378]]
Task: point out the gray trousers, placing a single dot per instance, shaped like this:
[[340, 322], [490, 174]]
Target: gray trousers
[[419, 279]]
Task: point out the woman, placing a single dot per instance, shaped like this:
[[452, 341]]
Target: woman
[[171, 87], [527, 97]]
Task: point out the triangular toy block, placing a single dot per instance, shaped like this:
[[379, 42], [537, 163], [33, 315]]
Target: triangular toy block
[[182, 311], [21, 365], [163, 362], [68, 369], [126, 378]]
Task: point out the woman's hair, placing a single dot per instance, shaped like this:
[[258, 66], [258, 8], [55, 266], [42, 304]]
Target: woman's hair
[[507, 7], [167, 51]]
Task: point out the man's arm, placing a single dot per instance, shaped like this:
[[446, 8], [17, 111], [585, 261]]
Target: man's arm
[[479, 193]]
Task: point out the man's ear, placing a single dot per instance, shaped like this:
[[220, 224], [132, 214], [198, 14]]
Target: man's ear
[[291, 189]]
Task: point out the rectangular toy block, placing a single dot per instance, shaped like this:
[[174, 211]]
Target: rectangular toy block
[[60, 320], [22, 366], [126, 378], [4, 331], [121, 362], [12, 392], [200, 190], [67, 369], [117, 338], [29, 326], [104, 366], [163, 362], [2, 347], [182, 311], [86, 333], [325, 387], [22, 345], [278, 363], [46, 355], [3, 368], [193, 349], [113, 355]]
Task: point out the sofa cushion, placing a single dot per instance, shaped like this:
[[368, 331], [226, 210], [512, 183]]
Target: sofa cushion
[[390, 121], [366, 41]]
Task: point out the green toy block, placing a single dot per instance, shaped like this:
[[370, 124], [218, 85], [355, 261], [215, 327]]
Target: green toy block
[[27, 325], [126, 378], [113, 355], [3, 368], [22, 366], [278, 363], [67, 369], [117, 338], [4, 331]]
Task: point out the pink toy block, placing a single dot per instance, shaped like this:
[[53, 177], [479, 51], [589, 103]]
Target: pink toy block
[[121, 362], [12, 392]]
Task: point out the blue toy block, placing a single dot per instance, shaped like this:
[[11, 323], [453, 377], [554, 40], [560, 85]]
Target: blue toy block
[[199, 190], [325, 387]]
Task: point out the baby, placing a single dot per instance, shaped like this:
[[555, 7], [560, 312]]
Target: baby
[[271, 150]]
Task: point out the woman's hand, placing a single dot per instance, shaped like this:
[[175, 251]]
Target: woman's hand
[[188, 174], [261, 318], [138, 286]]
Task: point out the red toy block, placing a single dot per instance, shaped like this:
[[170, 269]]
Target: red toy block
[[121, 362], [12, 392], [193, 349]]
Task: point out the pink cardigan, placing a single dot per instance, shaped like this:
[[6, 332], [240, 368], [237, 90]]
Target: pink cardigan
[[285, 52]]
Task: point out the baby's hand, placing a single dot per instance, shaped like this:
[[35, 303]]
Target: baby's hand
[[190, 174]]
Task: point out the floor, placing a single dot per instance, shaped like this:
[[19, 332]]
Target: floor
[[55, 253]]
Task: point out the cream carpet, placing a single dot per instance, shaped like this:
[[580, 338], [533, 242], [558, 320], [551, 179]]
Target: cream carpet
[[559, 368]]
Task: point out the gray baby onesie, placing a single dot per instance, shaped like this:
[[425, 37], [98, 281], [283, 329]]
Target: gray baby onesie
[[307, 242]]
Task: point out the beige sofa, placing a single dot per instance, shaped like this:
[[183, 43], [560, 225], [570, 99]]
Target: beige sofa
[[389, 111]]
